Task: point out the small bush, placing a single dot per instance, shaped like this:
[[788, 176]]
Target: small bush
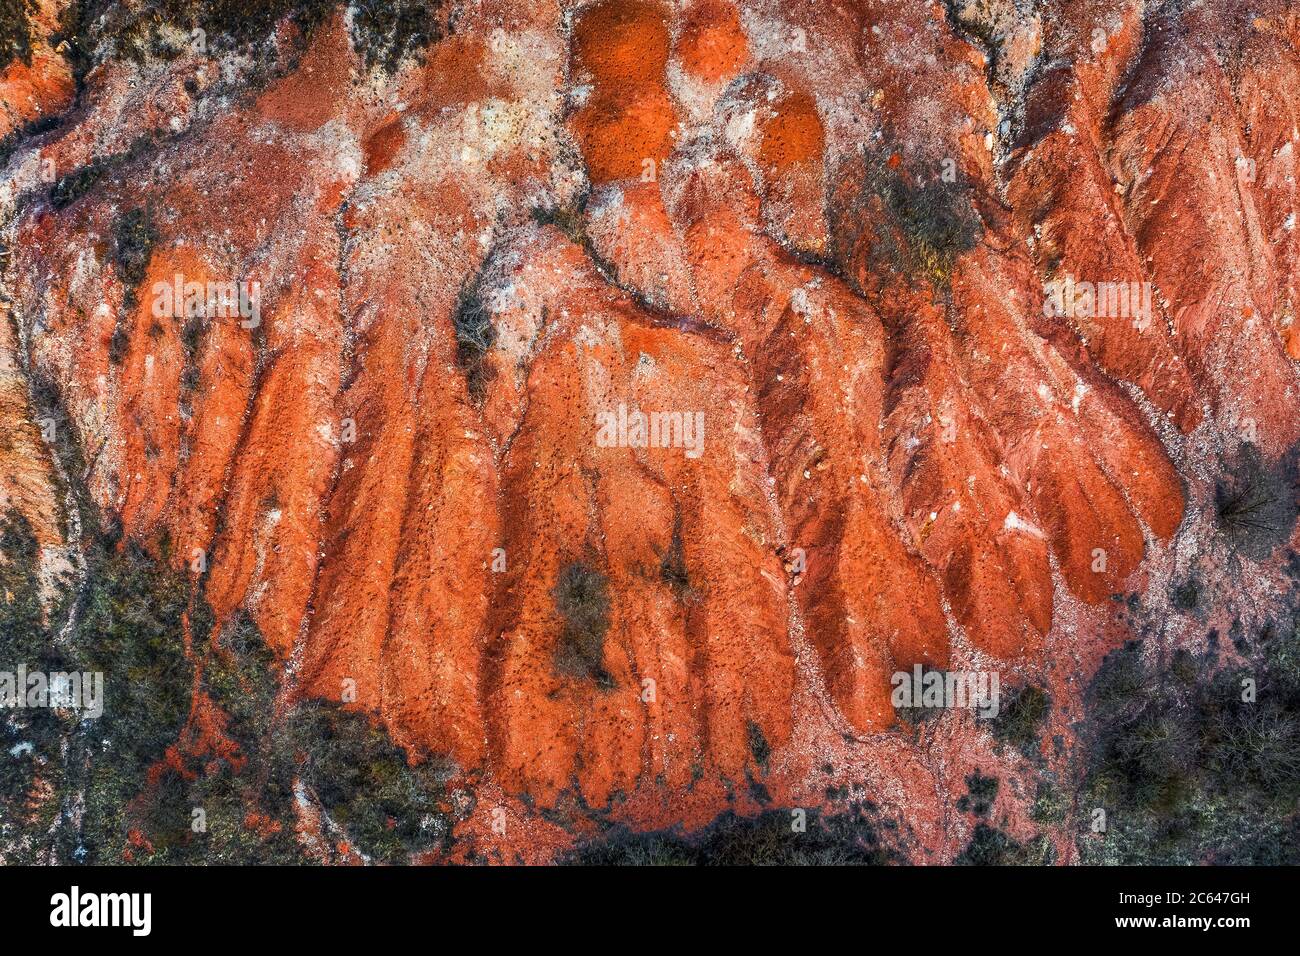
[[133, 241], [365, 783], [475, 336], [1256, 503], [76, 184], [384, 32], [931, 221], [131, 631], [759, 748], [1018, 721], [582, 598], [672, 568], [22, 626], [981, 791], [990, 846], [1186, 770]]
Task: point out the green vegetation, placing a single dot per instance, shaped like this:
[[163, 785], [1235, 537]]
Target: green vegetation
[[932, 221], [769, 839], [916, 713], [380, 804], [1256, 503], [1186, 769], [29, 737], [16, 137], [76, 184], [759, 748], [1018, 721], [22, 629], [582, 598], [80, 181], [364, 783], [16, 31], [130, 629], [981, 791], [1050, 805], [990, 846], [133, 241], [385, 34]]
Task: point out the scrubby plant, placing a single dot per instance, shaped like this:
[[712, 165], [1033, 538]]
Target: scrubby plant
[[850, 837], [475, 336], [131, 631], [1050, 805], [365, 783], [134, 237], [1020, 717], [990, 846], [1188, 764], [930, 223], [1257, 503], [917, 713], [582, 598], [22, 625], [24, 133], [672, 567], [16, 31], [759, 748], [68, 189], [981, 791], [385, 32], [29, 737]]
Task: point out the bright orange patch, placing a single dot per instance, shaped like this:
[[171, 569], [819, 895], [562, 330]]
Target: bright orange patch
[[713, 45], [630, 117], [383, 145], [793, 136]]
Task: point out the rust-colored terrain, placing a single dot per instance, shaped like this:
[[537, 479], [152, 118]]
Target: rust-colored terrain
[[967, 332]]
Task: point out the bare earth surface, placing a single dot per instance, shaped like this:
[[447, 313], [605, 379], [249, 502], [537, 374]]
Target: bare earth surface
[[858, 246]]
